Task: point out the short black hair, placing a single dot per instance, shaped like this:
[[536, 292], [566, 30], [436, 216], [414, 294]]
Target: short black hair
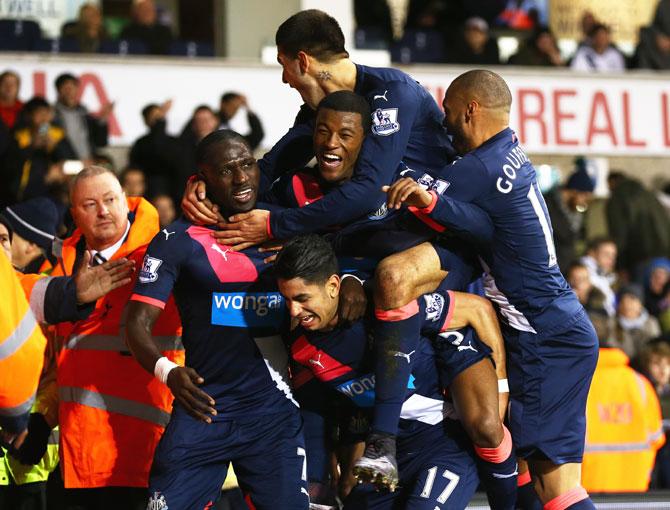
[[348, 101], [147, 110], [203, 107], [309, 257], [228, 96], [204, 150], [314, 32], [62, 78], [7, 74], [597, 28], [33, 104]]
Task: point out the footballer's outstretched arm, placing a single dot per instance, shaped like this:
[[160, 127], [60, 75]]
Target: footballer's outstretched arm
[[182, 381]]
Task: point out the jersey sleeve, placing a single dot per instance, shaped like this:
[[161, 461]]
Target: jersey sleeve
[[293, 150], [436, 310], [160, 267], [378, 160]]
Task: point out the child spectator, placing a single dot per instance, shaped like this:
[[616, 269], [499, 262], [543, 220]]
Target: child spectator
[[600, 260], [599, 54], [133, 182], [540, 49], [635, 327]]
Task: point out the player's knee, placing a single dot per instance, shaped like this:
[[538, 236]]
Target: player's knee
[[485, 429], [390, 288]]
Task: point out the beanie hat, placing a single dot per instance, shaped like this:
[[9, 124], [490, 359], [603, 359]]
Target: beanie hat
[[36, 220], [580, 180]]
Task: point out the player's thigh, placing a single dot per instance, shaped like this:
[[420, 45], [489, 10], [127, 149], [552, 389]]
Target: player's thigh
[[190, 464], [407, 275], [273, 470], [445, 484]]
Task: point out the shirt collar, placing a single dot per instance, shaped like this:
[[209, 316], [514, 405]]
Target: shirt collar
[[108, 253]]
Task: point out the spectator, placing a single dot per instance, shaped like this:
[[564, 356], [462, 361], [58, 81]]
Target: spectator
[[599, 54], [654, 363], [88, 30], [476, 46], [85, 132], [31, 156], [653, 50], [112, 413], [230, 104], [623, 425], [592, 299], [10, 106], [145, 27], [166, 210], [519, 15], [203, 122], [566, 206], [6, 235], [635, 327], [638, 223], [587, 22], [600, 260], [133, 182], [656, 284], [540, 49], [34, 224], [160, 155]]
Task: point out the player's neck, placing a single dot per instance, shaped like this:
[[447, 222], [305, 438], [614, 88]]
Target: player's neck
[[338, 76], [482, 135]]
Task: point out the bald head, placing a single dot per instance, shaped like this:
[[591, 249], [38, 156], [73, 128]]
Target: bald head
[[485, 87]]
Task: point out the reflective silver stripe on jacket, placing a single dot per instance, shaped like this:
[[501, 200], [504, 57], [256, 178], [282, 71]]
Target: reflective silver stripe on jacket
[[114, 404], [18, 410], [19, 336], [37, 296], [118, 344], [624, 447]]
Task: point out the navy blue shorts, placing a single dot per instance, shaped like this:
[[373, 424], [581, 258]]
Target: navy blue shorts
[[436, 471], [549, 379], [457, 350], [267, 453]]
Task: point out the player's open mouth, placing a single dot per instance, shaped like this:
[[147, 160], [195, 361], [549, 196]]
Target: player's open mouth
[[306, 320], [330, 160], [244, 195]]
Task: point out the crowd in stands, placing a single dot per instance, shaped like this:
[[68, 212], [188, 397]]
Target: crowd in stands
[[623, 282], [437, 31], [42, 144]]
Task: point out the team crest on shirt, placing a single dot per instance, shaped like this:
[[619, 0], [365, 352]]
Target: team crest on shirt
[[430, 183], [149, 271], [157, 502], [385, 121], [380, 213], [434, 306]]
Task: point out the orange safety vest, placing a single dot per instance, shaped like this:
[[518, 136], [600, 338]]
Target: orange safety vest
[[21, 348], [623, 427], [112, 412]]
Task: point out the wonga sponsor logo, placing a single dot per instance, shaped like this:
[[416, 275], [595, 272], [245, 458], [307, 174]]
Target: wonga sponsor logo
[[260, 309]]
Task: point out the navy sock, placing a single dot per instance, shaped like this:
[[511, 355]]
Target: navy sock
[[498, 473], [526, 497], [397, 334]]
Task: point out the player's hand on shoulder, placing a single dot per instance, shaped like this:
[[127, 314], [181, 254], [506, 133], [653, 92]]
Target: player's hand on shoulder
[[183, 383], [407, 191], [196, 206], [353, 301]]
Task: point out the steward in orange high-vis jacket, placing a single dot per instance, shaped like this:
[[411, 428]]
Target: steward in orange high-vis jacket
[[623, 427], [112, 412], [21, 352]]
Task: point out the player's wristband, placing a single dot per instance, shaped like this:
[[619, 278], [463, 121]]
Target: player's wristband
[[162, 369], [503, 386]]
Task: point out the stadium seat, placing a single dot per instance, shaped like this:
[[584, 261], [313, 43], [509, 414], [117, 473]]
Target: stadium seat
[[123, 47], [371, 38], [191, 49], [419, 46], [64, 45], [18, 35]]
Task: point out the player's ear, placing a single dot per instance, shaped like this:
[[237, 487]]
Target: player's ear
[[333, 286], [303, 62]]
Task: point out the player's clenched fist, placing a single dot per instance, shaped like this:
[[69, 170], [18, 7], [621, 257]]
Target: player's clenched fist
[[407, 191], [183, 382]]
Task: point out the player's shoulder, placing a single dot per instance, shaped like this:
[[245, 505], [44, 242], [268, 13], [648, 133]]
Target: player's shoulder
[[174, 232]]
